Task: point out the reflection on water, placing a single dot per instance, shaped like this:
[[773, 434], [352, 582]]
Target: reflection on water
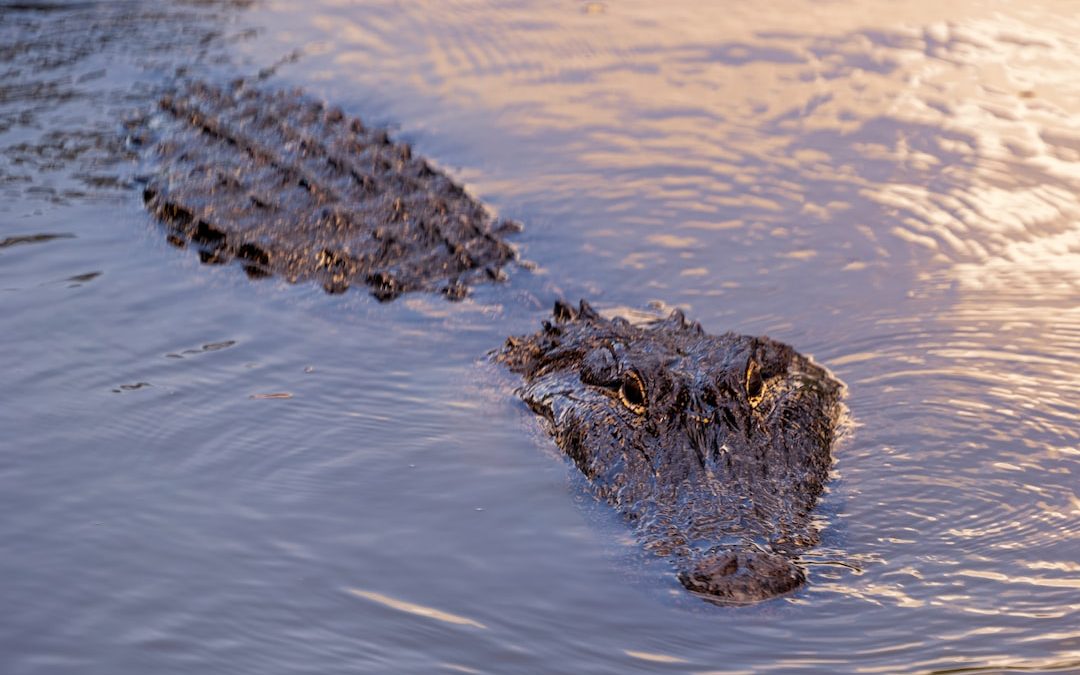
[[940, 138], [413, 608], [895, 189]]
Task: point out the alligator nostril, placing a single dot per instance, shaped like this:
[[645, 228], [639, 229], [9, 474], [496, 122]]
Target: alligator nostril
[[726, 566]]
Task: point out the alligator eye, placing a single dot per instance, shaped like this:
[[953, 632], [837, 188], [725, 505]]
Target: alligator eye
[[754, 384], [632, 392]]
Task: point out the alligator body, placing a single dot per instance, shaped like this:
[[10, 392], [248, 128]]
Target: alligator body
[[714, 447], [290, 187]]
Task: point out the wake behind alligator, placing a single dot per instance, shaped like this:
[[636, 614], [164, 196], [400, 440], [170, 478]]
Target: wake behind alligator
[[715, 448]]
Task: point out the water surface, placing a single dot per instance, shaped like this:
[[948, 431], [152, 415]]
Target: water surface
[[201, 473]]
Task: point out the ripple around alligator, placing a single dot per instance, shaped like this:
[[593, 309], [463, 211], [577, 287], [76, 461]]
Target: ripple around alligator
[[892, 189]]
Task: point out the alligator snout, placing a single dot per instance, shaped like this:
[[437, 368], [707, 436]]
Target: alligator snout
[[742, 576]]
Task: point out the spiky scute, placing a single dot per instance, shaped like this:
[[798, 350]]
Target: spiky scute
[[290, 187]]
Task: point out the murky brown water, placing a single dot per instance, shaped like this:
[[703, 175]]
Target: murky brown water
[[894, 189]]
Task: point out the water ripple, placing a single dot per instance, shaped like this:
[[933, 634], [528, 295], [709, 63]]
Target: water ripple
[[892, 188]]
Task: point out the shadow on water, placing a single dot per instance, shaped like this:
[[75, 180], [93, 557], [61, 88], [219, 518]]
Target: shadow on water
[[346, 488]]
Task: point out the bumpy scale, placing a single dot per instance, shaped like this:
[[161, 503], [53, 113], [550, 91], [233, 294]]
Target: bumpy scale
[[290, 187], [714, 447]]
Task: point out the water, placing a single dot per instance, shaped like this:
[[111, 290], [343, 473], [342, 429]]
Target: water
[[893, 189]]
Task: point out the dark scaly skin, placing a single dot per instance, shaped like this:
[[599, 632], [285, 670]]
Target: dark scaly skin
[[292, 188], [715, 448]]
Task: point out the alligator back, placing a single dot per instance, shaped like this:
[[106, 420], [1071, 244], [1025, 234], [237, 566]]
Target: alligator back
[[290, 187]]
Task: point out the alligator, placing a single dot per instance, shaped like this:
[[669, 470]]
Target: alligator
[[290, 187], [715, 448]]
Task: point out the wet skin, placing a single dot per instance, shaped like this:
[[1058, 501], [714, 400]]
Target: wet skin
[[715, 448], [292, 188]]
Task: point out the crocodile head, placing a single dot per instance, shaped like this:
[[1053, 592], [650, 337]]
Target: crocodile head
[[714, 447]]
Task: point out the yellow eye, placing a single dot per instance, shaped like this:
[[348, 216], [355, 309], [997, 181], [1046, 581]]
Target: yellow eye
[[632, 392], [754, 383]]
